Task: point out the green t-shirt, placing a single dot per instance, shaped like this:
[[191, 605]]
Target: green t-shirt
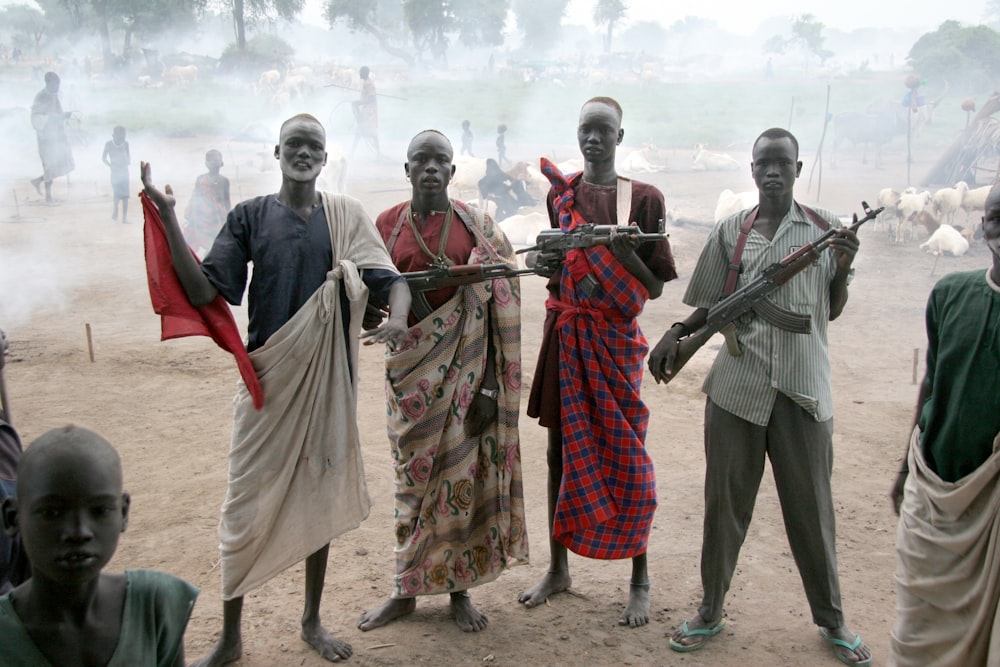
[[961, 418], [157, 609]]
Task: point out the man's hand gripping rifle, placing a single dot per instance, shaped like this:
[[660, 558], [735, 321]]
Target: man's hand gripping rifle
[[668, 357], [551, 245], [439, 277]]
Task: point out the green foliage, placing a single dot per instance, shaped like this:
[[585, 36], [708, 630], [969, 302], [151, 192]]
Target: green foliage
[[26, 24], [807, 36], [263, 51], [648, 36], [382, 19], [969, 56], [539, 21], [608, 13], [475, 22]]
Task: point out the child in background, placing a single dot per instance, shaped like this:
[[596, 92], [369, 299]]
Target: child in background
[[501, 145], [117, 157], [466, 139], [208, 207], [69, 511]]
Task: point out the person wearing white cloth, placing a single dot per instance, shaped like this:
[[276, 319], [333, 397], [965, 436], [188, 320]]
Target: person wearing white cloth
[[295, 472], [947, 493]]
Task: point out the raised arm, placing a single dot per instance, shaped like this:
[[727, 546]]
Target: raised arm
[[200, 291]]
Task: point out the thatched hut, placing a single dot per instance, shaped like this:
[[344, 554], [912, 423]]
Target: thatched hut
[[974, 157]]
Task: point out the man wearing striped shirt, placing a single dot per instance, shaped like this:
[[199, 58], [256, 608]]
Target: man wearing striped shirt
[[772, 400]]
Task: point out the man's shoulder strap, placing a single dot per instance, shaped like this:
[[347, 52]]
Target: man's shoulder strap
[[736, 263], [624, 201], [815, 217]]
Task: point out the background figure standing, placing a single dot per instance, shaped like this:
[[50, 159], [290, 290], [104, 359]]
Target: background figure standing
[[601, 482], [366, 113], [208, 207], [49, 121], [773, 401], [501, 144], [466, 139], [116, 155], [453, 393], [947, 494]]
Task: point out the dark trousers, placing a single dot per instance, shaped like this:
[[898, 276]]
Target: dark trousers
[[801, 454]]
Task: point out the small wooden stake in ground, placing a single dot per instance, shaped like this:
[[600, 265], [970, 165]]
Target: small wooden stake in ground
[[90, 343], [916, 361]]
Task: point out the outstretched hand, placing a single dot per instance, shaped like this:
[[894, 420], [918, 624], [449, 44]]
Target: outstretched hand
[[392, 333], [164, 199]]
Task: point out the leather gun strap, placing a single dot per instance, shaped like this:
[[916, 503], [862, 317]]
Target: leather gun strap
[[391, 243], [736, 263], [815, 217]]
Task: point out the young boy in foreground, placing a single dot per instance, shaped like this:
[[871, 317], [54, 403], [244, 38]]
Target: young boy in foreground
[[69, 511]]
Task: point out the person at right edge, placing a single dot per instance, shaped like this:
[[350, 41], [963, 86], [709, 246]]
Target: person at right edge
[[601, 483], [773, 400], [946, 494]]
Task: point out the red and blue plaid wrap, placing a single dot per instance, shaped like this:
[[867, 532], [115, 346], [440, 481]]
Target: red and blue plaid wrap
[[608, 493]]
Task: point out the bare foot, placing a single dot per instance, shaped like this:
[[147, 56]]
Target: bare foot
[[389, 610], [637, 611], [469, 618], [222, 653], [324, 643], [847, 645], [550, 584], [37, 182]]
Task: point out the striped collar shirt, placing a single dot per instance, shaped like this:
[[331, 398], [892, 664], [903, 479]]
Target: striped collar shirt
[[773, 360]]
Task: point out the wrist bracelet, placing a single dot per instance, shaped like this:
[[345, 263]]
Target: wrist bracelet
[[489, 393], [687, 329]]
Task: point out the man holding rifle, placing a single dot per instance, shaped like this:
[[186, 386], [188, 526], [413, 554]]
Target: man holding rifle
[[769, 395], [601, 482], [453, 391]]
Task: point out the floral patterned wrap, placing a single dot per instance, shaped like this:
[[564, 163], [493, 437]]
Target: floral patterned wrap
[[459, 502]]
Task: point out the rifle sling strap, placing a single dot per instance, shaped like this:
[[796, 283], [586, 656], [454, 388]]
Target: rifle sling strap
[[736, 264]]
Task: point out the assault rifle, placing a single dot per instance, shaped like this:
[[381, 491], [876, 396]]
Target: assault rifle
[[452, 276], [551, 245], [753, 297], [459, 274]]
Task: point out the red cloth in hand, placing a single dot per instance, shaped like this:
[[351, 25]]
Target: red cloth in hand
[[178, 318]]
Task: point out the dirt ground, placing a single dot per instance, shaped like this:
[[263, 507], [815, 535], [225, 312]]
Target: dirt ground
[[166, 406]]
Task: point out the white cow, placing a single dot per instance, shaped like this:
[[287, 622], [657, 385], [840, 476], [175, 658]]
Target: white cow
[[706, 160], [730, 203], [648, 159], [268, 82], [180, 75], [468, 172], [522, 229], [946, 240]]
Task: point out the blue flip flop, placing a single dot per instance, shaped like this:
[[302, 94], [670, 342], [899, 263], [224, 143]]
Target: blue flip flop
[[836, 643], [704, 633]]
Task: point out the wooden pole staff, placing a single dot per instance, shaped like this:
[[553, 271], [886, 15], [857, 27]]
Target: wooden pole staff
[[90, 343]]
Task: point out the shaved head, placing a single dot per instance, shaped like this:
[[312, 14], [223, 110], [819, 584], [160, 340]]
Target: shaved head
[[67, 446]]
